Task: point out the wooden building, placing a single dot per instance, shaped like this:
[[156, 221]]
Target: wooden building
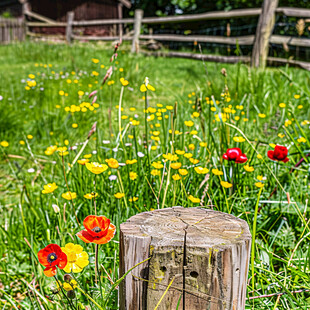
[[57, 10]]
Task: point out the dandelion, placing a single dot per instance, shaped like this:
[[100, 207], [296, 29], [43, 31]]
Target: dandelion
[[69, 195], [49, 188], [226, 184], [282, 105], [96, 168], [77, 259], [98, 229], [51, 257], [261, 115], [296, 96]]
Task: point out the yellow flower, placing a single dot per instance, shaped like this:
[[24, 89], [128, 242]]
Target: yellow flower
[[150, 87], [282, 105], [301, 140], [124, 82], [169, 107], [238, 139], [29, 137], [132, 175], [69, 286], [83, 161], [272, 145], [49, 188], [179, 152], [157, 165], [96, 168], [155, 172], [51, 150], [77, 259], [133, 199], [260, 177], [281, 135], [4, 143], [203, 144], [194, 161], [119, 195], [143, 88], [75, 125], [112, 162], [91, 195], [87, 155], [94, 60], [261, 115], [193, 199], [188, 155], [189, 123], [259, 156], [176, 166], [201, 170], [217, 172], [62, 151], [131, 161], [191, 146], [176, 177], [296, 96], [259, 184], [300, 106], [21, 142], [80, 93], [248, 168], [135, 123], [69, 195], [170, 157], [195, 114], [183, 171], [226, 184]]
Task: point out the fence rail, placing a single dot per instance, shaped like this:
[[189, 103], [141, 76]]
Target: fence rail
[[260, 40], [11, 29]]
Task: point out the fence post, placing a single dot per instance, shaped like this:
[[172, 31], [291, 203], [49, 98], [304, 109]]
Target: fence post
[[137, 30], [70, 17], [201, 255], [263, 33]]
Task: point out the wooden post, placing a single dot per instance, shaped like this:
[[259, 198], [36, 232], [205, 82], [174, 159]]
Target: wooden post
[[120, 16], [263, 33], [203, 254], [137, 30], [70, 17]]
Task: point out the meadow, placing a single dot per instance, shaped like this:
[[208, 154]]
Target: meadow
[[158, 133]]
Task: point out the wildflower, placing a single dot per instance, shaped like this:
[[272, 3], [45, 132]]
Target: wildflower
[[261, 115], [193, 199], [170, 157], [98, 229], [87, 155], [183, 171], [155, 172], [281, 135], [49, 188], [201, 170], [272, 145], [51, 257], [131, 161], [133, 199], [75, 125], [176, 177], [188, 155], [22, 142], [217, 172], [69, 287], [301, 140], [189, 123], [238, 139], [135, 123], [123, 81], [91, 195], [29, 137], [176, 166], [259, 156], [296, 96], [259, 184], [248, 168], [235, 154], [279, 154], [179, 152], [69, 195], [4, 143], [83, 161], [194, 161], [226, 184], [96, 168], [112, 163], [191, 146], [62, 151], [132, 175], [282, 105], [77, 258], [203, 144], [119, 195]]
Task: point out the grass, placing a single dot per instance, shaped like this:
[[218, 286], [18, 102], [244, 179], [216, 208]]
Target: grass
[[34, 119]]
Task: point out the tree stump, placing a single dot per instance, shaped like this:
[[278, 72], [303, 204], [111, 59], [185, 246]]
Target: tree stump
[[203, 255]]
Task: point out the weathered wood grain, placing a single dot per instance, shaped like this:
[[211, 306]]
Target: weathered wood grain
[[204, 252]]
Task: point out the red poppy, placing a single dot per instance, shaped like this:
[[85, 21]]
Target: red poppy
[[98, 229], [279, 154], [235, 154], [50, 257]]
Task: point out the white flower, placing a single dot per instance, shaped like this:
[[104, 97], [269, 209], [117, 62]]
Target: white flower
[[31, 170], [56, 208], [140, 154], [112, 177]]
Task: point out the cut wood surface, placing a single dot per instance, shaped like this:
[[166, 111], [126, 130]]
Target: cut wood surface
[[203, 253]]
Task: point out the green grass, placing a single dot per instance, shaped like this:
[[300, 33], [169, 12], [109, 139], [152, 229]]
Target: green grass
[[281, 253]]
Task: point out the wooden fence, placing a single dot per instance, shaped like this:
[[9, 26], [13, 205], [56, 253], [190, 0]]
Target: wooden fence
[[260, 41], [11, 29]]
